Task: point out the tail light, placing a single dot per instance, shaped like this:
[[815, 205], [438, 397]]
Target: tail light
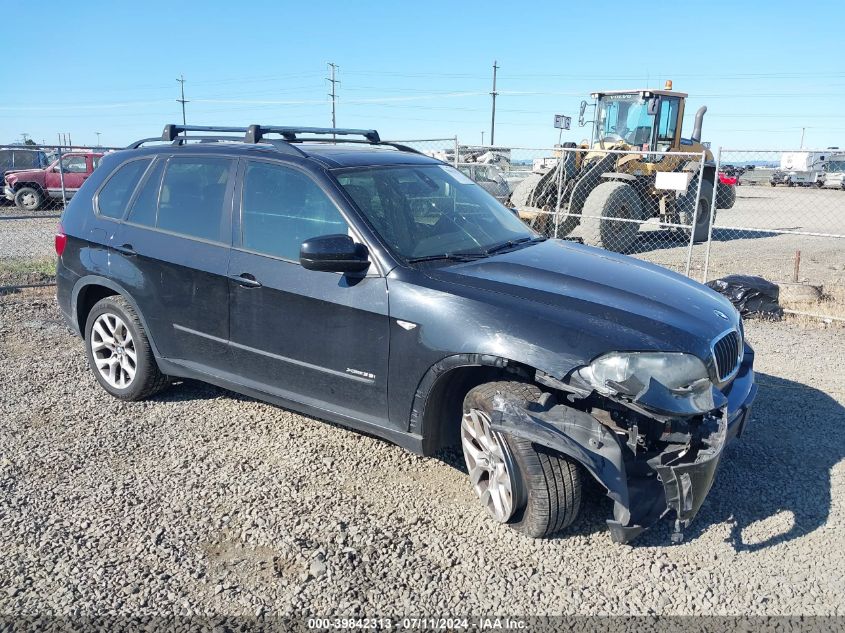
[[61, 239]]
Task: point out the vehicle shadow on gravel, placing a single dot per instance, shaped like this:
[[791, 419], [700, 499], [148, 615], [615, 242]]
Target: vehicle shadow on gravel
[[661, 239], [774, 483]]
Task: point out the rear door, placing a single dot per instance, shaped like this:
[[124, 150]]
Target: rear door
[[172, 254], [313, 337]]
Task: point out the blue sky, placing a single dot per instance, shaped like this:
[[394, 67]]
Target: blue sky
[[422, 69]]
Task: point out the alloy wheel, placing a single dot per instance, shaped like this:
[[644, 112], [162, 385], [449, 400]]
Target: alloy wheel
[[113, 350], [490, 465]]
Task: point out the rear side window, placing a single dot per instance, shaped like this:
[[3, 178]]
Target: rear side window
[[191, 199], [27, 160], [281, 208], [115, 194]]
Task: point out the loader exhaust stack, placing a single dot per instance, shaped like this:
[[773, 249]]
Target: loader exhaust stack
[[696, 129]]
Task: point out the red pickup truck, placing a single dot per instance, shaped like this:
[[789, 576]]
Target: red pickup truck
[[31, 188]]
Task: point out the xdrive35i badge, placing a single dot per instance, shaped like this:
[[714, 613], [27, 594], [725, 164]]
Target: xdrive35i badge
[[720, 314]]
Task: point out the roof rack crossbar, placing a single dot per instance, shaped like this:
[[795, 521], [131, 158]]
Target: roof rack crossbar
[[255, 133]]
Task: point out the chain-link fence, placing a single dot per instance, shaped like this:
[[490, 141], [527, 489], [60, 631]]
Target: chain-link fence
[[650, 205], [787, 225], [38, 180]]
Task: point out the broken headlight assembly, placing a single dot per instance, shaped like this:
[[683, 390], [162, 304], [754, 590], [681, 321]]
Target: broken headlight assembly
[[632, 374]]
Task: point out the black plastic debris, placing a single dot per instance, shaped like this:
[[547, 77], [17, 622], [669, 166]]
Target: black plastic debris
[[752, 296]]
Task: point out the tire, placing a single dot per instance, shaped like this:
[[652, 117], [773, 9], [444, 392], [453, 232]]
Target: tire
[[702, 218], [725, 196], [523, 190], [113, 333], [545, 485], [607, 201], [29, 199]]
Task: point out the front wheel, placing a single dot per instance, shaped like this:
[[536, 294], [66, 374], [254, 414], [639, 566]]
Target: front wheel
[[534, 489], [29, 199], [611, 216]]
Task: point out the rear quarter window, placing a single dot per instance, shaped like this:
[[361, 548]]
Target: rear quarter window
[[116, 193]]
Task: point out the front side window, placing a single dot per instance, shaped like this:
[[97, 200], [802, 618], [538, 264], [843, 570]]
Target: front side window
[[115, 194], [430, 210], [281, 208], [191, 198], [74, 164], [624, 118]]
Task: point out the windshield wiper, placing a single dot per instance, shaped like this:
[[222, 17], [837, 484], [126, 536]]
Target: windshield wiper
[[456, 257], [498, 248]]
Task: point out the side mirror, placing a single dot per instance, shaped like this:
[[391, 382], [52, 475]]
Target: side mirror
[[334, 253], [653, 104], [581, 113]]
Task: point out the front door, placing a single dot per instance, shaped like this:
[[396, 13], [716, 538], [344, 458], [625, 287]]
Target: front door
[[76, 168], [317, 338]]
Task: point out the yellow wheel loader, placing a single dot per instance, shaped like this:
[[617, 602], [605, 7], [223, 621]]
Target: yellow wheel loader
[[611, 194]]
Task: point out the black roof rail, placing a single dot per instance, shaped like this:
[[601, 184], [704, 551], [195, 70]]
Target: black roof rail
[[172, 130], [138, 144], [255, 133]]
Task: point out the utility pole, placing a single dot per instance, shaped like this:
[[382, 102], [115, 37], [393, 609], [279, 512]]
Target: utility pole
[[494, 93], [802, 138], [98, 138], [482, 138], [333, 94], [181, 81], [24, 136]]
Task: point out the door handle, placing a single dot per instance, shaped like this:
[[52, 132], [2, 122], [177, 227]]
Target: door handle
[[246, 280], [126, 249]]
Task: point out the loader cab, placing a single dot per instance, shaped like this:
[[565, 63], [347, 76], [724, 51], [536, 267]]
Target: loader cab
[[641, 119]]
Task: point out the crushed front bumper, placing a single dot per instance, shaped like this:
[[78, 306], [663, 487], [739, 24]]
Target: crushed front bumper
[[677, 479]]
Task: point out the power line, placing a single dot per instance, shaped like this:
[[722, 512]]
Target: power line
[[181, 81]]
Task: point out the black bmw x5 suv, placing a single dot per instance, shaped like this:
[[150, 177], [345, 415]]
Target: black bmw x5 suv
[[375, 287]]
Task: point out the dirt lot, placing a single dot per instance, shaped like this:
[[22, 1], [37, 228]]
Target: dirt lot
[[202, 501]]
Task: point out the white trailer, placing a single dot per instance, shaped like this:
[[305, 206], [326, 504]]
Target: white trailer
[[804, 168]]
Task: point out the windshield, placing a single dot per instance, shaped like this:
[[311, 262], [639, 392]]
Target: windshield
[[836, 166], [624, 117], [431, 210]]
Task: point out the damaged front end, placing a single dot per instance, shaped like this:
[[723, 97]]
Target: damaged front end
[[654, 448]]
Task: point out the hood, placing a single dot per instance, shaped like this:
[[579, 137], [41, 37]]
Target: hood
[[631, 304], [18, 174]]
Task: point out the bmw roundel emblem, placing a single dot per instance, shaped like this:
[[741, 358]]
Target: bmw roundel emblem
[[720, 314]]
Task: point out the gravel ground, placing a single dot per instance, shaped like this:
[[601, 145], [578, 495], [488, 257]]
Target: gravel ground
[[203, 501]]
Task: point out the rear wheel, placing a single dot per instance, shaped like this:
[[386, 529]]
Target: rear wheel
[[700, 222], [119, 352], [29, 198], [611, 217], [534, 489]]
